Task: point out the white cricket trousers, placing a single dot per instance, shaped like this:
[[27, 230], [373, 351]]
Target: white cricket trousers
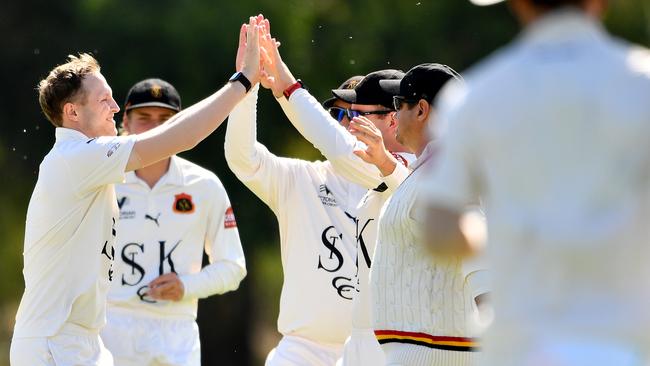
[[298, 351], [361, 349], [141, 340], [73, 345]]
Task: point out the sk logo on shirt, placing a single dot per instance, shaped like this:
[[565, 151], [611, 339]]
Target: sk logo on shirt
[[109, 252], [183, 204], [139, 268], [333, 262]]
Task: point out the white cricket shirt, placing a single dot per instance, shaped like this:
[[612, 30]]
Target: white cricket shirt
[[69, 234], [552, 132], [416, 296], [315, 211], [166, 229], [338, 146]]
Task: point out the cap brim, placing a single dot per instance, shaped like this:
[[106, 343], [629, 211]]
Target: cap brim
[[390, 86], [485, 2], [346, 95], [152, 104], [329, 103]]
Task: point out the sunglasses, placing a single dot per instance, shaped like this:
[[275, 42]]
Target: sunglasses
[[339, 113], [398, 102]]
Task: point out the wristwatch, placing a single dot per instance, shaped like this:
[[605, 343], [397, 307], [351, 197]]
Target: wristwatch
[[239, 76], [293, 87]]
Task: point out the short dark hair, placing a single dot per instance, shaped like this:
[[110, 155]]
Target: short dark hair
[[63, 85]]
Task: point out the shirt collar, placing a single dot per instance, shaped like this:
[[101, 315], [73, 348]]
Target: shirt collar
[[426, 154], [64, 134], [174, 175], [561, 25]]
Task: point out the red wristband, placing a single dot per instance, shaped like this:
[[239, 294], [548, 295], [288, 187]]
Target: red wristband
[[295, 86]]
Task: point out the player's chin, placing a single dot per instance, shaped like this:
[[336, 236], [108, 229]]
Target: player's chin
[[110, 129]]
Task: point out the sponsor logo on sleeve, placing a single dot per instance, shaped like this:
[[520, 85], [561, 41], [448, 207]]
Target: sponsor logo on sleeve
[[229, 221], [326, 196], [112, 148], [183, 204]]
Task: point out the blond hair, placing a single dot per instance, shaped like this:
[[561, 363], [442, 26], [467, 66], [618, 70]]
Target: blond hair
[[63, 85]]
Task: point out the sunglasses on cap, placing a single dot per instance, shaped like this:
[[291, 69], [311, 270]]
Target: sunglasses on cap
[[339, 113]]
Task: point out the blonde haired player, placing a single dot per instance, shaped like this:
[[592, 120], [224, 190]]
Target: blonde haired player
[[70, 228]]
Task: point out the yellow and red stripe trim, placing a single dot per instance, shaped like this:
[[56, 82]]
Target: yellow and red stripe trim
[[422, 339]]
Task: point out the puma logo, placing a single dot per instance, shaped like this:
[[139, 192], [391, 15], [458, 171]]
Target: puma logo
[[154, 219]]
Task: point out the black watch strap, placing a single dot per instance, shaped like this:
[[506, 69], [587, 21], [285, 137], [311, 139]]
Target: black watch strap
[[239, 76]]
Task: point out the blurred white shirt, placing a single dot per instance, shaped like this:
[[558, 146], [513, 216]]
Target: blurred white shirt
[[552, 132]]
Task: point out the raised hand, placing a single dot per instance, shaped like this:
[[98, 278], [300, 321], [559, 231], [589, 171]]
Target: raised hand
[[248, 53], [375, 153], [276, 74], [266, 79], [241, 49]]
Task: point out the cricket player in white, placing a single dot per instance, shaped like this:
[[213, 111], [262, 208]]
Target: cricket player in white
[[70, 227], [424, 307], [368, 102], [169, 212], [552, 133], [315, 208]]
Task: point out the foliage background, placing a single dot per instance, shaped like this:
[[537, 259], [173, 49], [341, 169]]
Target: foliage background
[[192, 44]]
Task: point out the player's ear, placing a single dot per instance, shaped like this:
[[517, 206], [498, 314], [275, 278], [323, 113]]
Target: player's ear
[[393, 120], [69, 112], [423, 109]]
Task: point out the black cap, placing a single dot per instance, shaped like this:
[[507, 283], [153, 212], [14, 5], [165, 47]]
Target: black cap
[[348, 84], [153, 93], [368, 90], [421, 82]]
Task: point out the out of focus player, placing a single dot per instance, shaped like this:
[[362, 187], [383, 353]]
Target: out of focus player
[[552, 133]]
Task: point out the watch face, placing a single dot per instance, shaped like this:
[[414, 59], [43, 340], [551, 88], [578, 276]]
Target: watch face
[[234, 76]]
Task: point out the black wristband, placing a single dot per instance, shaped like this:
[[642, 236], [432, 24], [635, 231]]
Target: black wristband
[[239, 76]]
